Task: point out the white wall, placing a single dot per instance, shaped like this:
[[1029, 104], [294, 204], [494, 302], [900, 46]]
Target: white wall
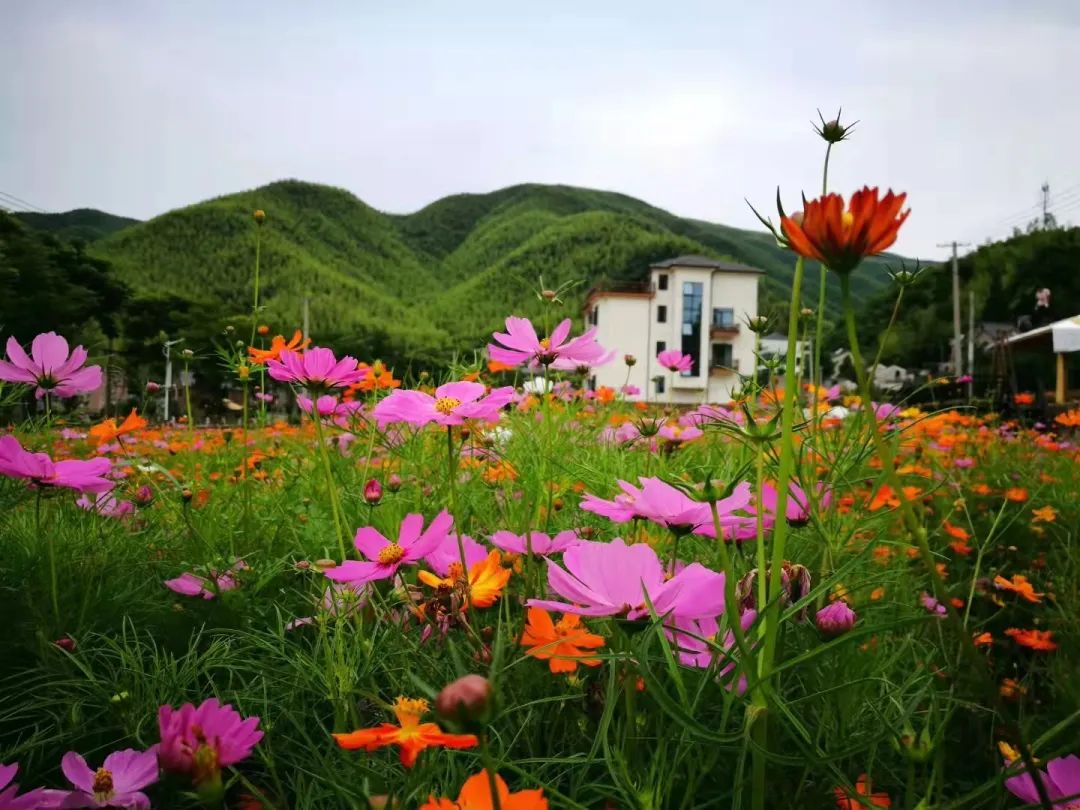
[[622, 325]]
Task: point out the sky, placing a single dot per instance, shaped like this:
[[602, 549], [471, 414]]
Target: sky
[[136, 108]]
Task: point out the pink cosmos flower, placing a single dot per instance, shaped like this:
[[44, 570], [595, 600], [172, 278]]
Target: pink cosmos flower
[[520, 345], [384, 557], [679, 434], [316, 369], [964, 463], [42, 471], [106, 505], [613, 579], [542, 544], [9, 798], [49, 367], [452, 404], [117, 783], [674, 360], [663, 504], [707, 414], [189, 584], [1061, 780], [331, 409], [687, 635], [797, 510], [835, 619], [630, 390], [446, 554], [932, 605], [581, 365], [199, 741]]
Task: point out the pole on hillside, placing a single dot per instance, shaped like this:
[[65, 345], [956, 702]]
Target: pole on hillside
[[167, 387], [957, 352]]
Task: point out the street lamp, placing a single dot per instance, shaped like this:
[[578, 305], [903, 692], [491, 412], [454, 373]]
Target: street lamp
[[167, 351]]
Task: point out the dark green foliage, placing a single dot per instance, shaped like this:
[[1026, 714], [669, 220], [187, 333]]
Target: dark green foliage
[[86, 224]]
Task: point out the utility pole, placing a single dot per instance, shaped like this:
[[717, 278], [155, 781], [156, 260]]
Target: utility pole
[[167, 387], [971, 344], [1046, 204], [958, 351], [307, 315]]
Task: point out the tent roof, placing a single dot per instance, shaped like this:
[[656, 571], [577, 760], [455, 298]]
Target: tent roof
[[1064, 335]]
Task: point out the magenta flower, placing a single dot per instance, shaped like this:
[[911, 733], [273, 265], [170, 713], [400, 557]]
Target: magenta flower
[[520, 345], [613, 579], [835, 619], [1061, 779], [384, 557], [679, 434], [663, 504], [578, 362], [200, 741], [447, 554], [316, 369], [189, 584], [452, 404], [693, 651], [542, 544], [932, 605], [117, 783], [106, 505], [9, 798], [49, 367], [674, 360], [42, 471], [797, 509]]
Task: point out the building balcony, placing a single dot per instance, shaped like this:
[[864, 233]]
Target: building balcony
[[723, 330]]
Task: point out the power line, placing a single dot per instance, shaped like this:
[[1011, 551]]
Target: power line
[[9, 199]]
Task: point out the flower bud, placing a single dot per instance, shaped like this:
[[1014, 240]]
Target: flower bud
[[67, 643], [263, 329], [630, 360], [152, 387], [758, 323], [187, 354], [243, 372], [186, 495], [549, 295], [393, 482], [806, 312], [259, 216], [466, 699], [144, 494], [325, 565], [373, 492], [835, 619]]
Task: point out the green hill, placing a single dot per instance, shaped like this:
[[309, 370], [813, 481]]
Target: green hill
[[86, 224], [421, 285]]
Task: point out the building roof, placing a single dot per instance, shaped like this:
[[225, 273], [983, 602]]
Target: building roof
[[1064, 334], [694, 260]]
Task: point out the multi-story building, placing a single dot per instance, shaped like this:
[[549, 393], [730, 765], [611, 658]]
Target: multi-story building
[[692, 304]]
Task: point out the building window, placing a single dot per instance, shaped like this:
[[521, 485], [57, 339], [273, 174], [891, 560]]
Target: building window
[[691, 325], [723, 317], [661, 281], [661, 314], [594, 316], [661, 346], [659, 384], [722, 356]]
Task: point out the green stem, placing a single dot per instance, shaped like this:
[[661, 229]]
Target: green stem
[[492, 772], [731, 607], [51, 544], [331, 489], [451, 469], [919, 535]]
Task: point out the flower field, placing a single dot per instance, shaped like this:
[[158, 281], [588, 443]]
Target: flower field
[[454, 590]]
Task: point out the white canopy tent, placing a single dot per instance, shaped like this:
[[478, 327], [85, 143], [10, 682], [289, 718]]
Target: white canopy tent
[[1062, 337]]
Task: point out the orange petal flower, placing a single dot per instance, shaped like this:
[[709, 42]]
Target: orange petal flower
[[487, 579], [1020, 586], [107, 431], [476, 795], [563, 645], [410, 735], [1040, 640], [1044, 514], [277, 345], [1016, 494], [862, 788], [840, 238]]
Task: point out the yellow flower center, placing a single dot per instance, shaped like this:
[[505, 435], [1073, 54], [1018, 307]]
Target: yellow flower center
[[409, 710], [446, 405], [847, 219], [391, 554], [103, 784], [545, 344]]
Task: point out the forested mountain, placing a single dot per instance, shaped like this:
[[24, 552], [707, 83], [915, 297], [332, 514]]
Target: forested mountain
[[422, 285], [86, 224], [1003, 276]]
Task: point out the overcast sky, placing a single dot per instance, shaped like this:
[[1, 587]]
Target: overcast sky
[[139, 107]]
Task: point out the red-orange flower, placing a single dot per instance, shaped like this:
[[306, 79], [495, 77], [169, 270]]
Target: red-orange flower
[[277, 345], [564, 644], [1020, 586], [107, 431], [410, 734], [840, 238], [476, 795], [1040, 640], [1016, 494], [1024, 399], [1069, 418], [845, 801]]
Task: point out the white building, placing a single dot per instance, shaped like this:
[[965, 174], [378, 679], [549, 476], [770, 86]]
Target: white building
[[774, 347], [692, 304]]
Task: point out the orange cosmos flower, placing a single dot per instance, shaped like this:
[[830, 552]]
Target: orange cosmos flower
[[410, 734], [1020, 586], [983, 639], [277, 345], [107, 431], [1011, 689], [1040, 640], [476, 795], [563, 645], [845, 801], [1016, 494], [955, 532], [840, 238], [487, 578], [1024, 399], [1044, 514], [1069, 418], [981, 489]]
